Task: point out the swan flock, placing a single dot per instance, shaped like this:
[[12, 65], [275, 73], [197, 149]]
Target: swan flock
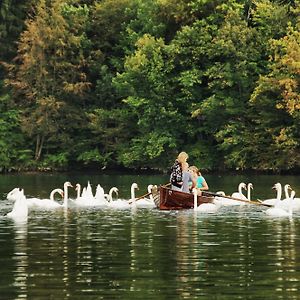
[[59, 198]]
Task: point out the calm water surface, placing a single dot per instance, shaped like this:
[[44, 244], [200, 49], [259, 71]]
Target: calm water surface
[[90, 253]]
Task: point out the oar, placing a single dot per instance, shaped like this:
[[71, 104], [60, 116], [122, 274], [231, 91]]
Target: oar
[[143, 196], [236, 199]]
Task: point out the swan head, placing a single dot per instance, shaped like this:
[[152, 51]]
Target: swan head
[[134, 186], [67, 184], [77, 186], [250, 186], [287, 187], [243, 185], [293, 193], [13, 194], [115, 189], [221, 193], [277, 186], [150, 187], [59, 191]]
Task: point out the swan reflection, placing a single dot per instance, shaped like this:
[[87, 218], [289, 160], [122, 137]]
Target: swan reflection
[[21, 259]]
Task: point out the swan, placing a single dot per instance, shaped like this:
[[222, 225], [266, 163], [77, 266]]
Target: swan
[[20, 209], [147, 202], [277, 211], [109, 196], [134, 186], [125, 204], [86, 198], [100, 198], [277, 186], [286, 202], [46, 203], [78, 190], [66, 193], [51, 203], [204, 207], [239, 194], [13, 194], [221, 200], [89, 192]]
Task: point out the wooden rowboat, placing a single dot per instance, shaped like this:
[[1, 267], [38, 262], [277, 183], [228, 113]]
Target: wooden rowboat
[[167, 199]]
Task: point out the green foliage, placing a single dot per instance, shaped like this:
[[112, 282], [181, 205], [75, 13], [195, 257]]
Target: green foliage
[[147, 151], [12, 153], [56, 161], [94, 156], [278, 93], [131, 83]]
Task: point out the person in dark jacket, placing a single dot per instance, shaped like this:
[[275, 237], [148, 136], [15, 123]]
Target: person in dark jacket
[[176, 179]]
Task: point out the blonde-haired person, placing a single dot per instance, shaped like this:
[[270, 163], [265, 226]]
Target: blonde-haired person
[[201, 183], [176, 179]]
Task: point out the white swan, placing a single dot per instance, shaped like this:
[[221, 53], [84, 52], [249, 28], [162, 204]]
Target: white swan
[[100, 198], [67, 184], [239, 194], [13, 194], [286, 202], [89, 192], [20, 210], [147, 202], [78, 190], [46, 203], [277, 211], [230, 202], [86, 198], [277, 186], [124, 204], [109, 196], [204, 207], [51, 203], [134, 186]]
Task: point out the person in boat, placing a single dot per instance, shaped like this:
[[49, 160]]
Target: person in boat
[[201, 183], [188, 180], [176, 179]]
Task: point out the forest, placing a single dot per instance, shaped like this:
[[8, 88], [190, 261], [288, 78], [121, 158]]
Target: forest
[[128, 84]]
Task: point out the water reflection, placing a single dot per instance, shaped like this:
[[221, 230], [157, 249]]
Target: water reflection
[[93, 253], [21, 259]]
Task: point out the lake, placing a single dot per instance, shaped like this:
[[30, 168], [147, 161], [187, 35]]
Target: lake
[[91, 253]]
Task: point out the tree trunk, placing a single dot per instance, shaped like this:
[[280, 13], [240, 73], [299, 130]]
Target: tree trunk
[[39, 146]]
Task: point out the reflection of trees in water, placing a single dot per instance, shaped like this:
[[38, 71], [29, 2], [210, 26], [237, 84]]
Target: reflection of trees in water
[[142, 253], [282, 250], [188, 261], [236, 256]]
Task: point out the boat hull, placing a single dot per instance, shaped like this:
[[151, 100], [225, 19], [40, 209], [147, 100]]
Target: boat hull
[[175, 200]]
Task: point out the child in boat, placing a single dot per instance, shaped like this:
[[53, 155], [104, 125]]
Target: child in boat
[[201, 183], [188, 180]]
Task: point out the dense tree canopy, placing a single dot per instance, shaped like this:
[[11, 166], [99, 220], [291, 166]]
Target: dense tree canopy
[[130, 83]]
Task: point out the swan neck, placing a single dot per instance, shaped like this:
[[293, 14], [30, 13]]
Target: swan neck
[[66, 196], [195, 200], [249, 194], [286, 191], [132, 194], [279, 194]]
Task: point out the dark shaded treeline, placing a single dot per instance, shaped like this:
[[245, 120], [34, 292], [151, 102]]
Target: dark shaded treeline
[[130, 83]]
